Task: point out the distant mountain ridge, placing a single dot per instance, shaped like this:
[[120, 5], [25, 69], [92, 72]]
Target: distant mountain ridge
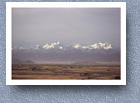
[[19, 61], [56, 52], [58, 45], [99, 45], [85, 63]]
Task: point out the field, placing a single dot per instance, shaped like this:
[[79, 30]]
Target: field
[[66, 71]]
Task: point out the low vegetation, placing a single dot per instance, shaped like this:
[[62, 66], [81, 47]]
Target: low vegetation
[[97, 71]]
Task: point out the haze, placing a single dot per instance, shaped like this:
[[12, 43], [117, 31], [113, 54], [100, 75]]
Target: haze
[[32, 26]]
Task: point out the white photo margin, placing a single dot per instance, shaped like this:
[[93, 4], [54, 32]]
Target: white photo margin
[[10, 5]]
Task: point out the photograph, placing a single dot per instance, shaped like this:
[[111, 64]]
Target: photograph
[[75, 43]]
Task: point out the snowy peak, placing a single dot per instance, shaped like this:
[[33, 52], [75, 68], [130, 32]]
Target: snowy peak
[[56, 45], [94, 46], [59, 46], [57, 52], [101, 46], [77, 46], [38, 47]]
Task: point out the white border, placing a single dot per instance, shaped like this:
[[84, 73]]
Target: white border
[[10, 5]]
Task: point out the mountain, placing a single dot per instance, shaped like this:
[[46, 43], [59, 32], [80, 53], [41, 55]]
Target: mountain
[[19, 61], [94, 46], [85, 63], [59, 46], [56, 45], [56, 52]]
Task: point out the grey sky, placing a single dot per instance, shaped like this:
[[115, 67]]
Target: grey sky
[[67, 25]]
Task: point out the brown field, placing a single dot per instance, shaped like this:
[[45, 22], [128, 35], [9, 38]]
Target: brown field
[[66, 71]]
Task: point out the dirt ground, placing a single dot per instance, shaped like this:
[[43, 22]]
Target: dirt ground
[[66, 71]]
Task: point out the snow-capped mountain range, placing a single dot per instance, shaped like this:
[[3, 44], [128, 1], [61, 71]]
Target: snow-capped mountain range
[[58, 45], [56, 52], [94, 46]]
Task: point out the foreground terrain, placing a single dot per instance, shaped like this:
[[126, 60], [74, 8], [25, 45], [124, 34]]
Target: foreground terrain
[[66, 71]]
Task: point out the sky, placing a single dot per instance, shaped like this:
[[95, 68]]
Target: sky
[[70, 26]]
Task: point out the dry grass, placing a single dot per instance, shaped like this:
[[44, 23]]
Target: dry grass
[[66, 71]]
